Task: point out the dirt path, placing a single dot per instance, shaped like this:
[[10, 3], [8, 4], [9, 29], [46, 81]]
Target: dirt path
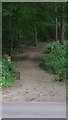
[[35, 84]]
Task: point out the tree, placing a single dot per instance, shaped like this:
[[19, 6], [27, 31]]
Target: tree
[[62, 22], [56, 23], [34, 22], [36, 39]]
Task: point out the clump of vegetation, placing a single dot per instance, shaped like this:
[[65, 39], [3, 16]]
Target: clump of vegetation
[[18, 50], [7, 74], [55, 61]]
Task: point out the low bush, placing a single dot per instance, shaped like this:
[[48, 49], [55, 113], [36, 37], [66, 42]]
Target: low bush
[[7, 74], [55, 61], [18, 50]]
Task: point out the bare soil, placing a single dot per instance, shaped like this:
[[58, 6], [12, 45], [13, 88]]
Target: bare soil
[[35, 84]]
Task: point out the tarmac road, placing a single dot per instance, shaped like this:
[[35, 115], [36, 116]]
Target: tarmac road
[[34, 110]]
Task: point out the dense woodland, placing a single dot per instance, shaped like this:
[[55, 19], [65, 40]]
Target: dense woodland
[[29, 23], [32, 23]]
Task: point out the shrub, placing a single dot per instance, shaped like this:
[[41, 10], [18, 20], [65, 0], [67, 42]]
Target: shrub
[[56, 60], [7, 73], [18, 50]]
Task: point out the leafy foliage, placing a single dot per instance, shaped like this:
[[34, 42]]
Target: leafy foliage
[[19, 19], [7, 74], [55, 61], [28, 23]]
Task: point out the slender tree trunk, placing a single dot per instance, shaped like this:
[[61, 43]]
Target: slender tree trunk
[[11, 44], [36, 39], [56, 23], [10, 36], [62, 23], [12, 32]]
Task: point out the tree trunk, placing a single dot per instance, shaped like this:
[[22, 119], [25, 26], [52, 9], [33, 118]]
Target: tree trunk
[[12, 32], [11, 44], [56, 23], [62, 23], [36, 39], [10, 38]]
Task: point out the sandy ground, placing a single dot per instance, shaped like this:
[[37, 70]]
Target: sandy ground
[[35, 84]]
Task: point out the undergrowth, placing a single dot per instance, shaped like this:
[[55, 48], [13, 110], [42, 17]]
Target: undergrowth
[[7, 72], [55, 60]]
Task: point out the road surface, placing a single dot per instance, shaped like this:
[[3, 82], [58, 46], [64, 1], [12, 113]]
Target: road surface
[[34, 110]]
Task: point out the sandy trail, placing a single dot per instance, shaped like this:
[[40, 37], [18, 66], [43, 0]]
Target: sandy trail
[[35, 84]]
